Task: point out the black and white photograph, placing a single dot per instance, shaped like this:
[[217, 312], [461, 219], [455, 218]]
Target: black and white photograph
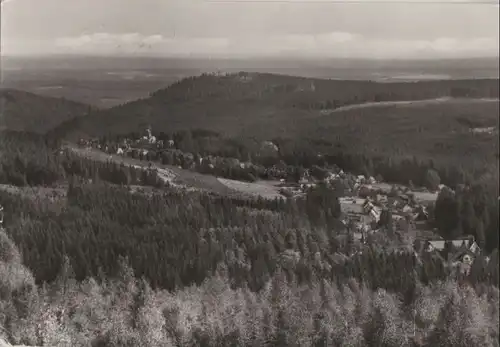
[[249, 173]]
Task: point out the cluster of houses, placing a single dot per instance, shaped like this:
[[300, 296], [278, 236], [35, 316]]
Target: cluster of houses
[[149, 148], [365, 207], [364, 201], [458, 254], [140, 146], [362, 212]]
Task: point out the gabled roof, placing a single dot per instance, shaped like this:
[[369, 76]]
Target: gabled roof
[[437, 244], [474, 247], [459, 243]]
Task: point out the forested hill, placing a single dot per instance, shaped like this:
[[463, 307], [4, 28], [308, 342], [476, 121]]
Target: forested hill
[[24, 111], [241, 103], [89, 258]]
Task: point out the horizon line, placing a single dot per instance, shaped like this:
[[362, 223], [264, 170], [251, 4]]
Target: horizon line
[[240, 57]]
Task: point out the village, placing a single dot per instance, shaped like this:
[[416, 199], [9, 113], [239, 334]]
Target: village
[[369, 207]]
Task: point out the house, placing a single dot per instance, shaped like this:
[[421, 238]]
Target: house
[[149, 137], [365, 191], [360, 179], [372, 211], [330, 178], [353, 209], [269, 146], [464, 256], [382, 199], [407, 209], [462, 261], [308, 185], [352, 201], [432, 245], [466, 244], [368, 206], [474, 247]]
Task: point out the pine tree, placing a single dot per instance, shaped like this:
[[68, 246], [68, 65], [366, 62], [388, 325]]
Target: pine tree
[[66, 276]]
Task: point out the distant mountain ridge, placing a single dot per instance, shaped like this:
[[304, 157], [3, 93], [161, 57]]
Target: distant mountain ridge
[[190, 63]]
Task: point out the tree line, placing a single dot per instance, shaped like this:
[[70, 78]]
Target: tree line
[[176, 239], [471, 209], [116, 268], [475, 213]]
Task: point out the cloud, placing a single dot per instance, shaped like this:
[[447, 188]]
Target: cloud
[[328, 44], [135, 42]]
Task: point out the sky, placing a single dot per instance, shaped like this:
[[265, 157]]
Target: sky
[[393, 29]]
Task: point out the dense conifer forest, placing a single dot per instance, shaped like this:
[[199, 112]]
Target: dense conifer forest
[[24, 111], [239, 104], [170, 268], [119, 257]]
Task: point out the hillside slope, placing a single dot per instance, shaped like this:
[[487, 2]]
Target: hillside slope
[[23, 111], [259, 105], [436, 129]]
